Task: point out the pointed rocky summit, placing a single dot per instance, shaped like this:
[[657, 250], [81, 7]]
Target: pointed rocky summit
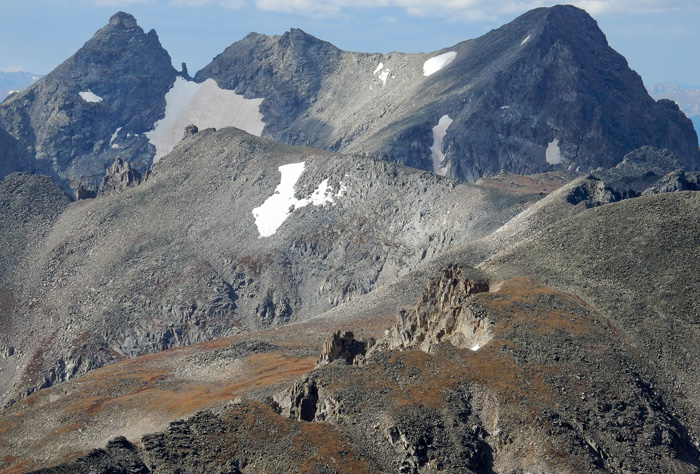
[[90, 110]]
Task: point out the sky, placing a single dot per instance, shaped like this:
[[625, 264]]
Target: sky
[[659, 38]]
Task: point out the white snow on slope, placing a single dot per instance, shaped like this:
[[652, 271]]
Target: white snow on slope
[[204, 105], [278, 207], [89, 96], [553, 153], [114, 137], [527, 38], [383, 73], [433, 65], [439, 132]]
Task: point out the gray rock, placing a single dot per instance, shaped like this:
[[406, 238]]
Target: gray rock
[[51, 129], [545, 84], [119, 176], [179, 258]]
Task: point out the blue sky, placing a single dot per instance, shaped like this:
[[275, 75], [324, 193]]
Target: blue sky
[[659, 38]]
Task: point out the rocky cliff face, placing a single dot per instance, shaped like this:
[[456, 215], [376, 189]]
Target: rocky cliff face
[[443, 315], [92, 109], [543, 92]]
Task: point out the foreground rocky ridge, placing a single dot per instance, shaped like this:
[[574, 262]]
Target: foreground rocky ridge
[[554, 390], [637, 262]]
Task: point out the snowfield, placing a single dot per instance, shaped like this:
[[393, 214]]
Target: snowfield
[[206, 106], [439, 132], [278, 207], [383, 73], [433, 65], [553, 153], [89, 96], [115, 135]]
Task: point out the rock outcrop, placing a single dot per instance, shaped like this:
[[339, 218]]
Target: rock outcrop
[[442, 315], [344, 347], [119, 176]]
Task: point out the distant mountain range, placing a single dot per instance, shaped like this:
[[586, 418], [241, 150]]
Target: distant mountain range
[[15, 82], [542, 93]]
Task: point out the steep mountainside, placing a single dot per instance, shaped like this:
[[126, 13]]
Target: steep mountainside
[[209, 245], [552, 388], [637, 262], [73, 123], [540, 93]]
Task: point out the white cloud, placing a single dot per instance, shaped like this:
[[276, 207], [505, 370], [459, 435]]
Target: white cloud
[[229, 4], [471, 10], [119, 3]]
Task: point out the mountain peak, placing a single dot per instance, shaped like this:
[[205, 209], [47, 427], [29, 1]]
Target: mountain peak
[[125, 20]]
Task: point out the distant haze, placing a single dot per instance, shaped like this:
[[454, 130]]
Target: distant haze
[[15, 82]]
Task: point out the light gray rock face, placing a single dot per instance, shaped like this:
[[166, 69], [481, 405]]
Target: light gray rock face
[[442, 315], [543, 92], [92, 109], [180, 259]]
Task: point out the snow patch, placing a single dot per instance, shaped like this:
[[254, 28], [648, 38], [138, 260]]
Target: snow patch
[[476, 347], [527, 38], [278, 207], [439, 132], [342, 191], [114, 137], [89, 96], [383, 73], [553, 153], [204, 105], [433, 65]]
